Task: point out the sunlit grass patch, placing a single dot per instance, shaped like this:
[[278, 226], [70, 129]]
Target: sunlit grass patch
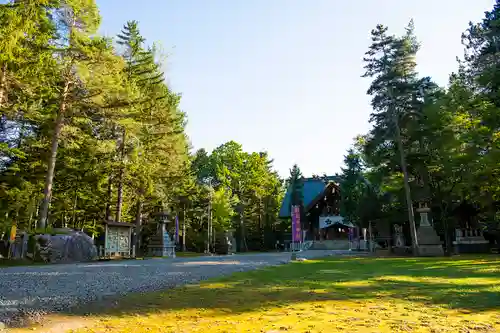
[[330, 295]]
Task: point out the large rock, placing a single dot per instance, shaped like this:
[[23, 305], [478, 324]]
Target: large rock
[[67, 247]]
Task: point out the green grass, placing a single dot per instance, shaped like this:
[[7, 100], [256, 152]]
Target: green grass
[[342, 294]]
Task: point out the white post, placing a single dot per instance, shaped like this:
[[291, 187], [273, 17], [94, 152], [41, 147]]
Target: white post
[[370, 236], [365, 240], [130, 242]]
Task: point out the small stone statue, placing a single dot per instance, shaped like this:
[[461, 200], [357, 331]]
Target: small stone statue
[[398, 237]]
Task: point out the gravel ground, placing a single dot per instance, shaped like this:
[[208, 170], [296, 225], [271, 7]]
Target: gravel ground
[[27, 293]]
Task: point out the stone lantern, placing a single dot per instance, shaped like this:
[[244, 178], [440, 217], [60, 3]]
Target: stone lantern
[[429, 243], [424, 211], [161, 244]]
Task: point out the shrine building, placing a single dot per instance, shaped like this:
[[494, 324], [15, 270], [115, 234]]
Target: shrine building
[[322, 224]]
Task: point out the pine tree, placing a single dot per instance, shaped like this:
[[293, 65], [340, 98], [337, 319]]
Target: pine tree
[[390, 62], [145, 79], [351, 188], [482, 46], [81, 62], [295, 182]]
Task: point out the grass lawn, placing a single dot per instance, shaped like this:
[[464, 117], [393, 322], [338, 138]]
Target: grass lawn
[[338, 294]]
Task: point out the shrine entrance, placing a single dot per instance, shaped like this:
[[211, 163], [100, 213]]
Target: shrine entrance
[[321, 224]]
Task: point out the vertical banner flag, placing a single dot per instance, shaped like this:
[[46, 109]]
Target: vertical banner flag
[[298, 235], [176, 229], [296, 232], [13, 231]]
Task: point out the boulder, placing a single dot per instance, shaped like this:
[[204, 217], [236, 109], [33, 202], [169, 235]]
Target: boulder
[[70, 246]]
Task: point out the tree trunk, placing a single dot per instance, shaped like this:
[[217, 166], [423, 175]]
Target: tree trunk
[[184, 229], [74, 208], [244, 245], [210, 224], [261, 229], [3, 84], [49, 178], [448, 243], [138, 226], [110, 194], [409, 202], [119, 200]]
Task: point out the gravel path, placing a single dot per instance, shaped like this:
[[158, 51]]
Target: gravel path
[[34, 290]]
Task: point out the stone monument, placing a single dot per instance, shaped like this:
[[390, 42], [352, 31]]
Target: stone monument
[[429, 243]]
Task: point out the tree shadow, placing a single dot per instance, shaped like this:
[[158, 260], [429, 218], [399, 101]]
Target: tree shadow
[[461, 284]]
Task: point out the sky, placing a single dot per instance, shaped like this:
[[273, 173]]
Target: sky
[[283, 76]]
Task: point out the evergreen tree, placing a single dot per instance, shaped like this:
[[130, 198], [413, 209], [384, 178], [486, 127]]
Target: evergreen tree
[[295, 182], [142, 76], [391, 63], [351, 188], [79, 58]]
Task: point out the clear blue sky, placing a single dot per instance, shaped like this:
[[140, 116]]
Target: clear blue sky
[[283, 76]]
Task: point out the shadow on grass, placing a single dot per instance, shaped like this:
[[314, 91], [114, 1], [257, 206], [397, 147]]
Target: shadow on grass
[[462, 283]]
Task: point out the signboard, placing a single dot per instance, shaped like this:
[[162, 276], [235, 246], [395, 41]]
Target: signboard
[[328, 221], [117, 240], [296, 232]]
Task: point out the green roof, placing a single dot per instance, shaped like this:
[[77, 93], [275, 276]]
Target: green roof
[[311, 189]]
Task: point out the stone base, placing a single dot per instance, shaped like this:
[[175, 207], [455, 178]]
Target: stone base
[[338, 244], [431, 250], [383, 252], [401, 251], [159, 251], [426, 235], [429, 243], [478, 247]]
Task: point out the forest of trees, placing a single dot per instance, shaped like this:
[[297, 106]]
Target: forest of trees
[[90, 131], [448, 137]]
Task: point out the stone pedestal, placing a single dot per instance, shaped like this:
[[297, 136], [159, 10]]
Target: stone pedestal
[[429, 243]]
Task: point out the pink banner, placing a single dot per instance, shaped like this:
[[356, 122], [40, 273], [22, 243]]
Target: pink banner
[[296, 232]]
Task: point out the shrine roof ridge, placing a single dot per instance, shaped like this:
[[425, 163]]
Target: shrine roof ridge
[[311, 189]]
